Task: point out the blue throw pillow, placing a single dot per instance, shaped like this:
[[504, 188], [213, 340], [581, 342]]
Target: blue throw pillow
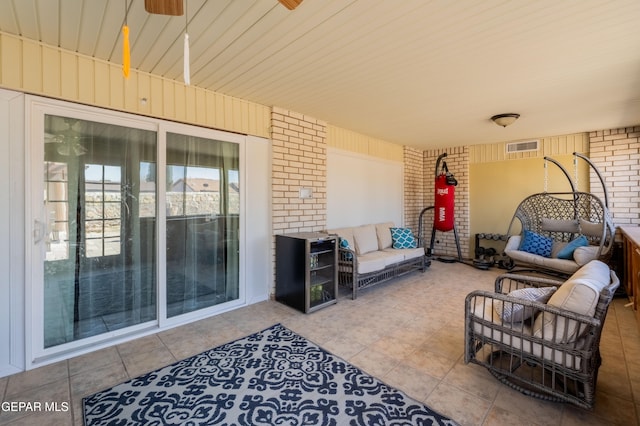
[[345, 244], [402, 238], [567, 251], [536, 244]]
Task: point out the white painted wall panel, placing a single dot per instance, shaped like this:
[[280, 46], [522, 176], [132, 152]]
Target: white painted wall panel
[[362, 189], [11, 233], [257, 197]]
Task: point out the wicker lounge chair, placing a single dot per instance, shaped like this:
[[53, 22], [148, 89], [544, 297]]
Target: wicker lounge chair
[[553, 355], [561, 217]]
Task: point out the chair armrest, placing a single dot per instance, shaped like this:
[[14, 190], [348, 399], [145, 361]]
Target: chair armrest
[[506, 283], [343, 256]]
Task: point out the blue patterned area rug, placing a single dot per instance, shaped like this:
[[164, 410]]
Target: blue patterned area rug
[[273, 377]]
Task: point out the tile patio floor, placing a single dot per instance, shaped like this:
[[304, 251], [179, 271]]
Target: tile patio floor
[[408, 332]]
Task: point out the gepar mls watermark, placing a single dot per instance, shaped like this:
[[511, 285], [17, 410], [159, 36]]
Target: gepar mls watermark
[[34, 406]]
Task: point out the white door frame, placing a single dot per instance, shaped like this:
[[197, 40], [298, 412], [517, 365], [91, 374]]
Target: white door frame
[[12, 331], [254, 279]]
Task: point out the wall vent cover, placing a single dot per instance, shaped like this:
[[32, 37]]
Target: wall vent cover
[[525, 146]]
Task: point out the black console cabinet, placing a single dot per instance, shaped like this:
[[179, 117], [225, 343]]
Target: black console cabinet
[[307, 270]]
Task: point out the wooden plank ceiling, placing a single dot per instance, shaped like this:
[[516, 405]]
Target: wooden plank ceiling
[[414, 72]]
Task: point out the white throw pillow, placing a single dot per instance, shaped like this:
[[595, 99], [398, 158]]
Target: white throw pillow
[[584, 255], [512, 312]]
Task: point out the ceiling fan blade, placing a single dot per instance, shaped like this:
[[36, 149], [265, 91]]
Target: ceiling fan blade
[[49, 138], [79, 150], [290, 4], [164, 7]]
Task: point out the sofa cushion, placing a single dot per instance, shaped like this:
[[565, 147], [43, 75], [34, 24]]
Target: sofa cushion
[[536, 244], [591, 229], [410, 253], [567, 251], [346, 233], [371, 262], [365, 239], [392, 256], [383, 231], [559, 225], [579, 294], [403, 238], [563, 265], [513, 312]]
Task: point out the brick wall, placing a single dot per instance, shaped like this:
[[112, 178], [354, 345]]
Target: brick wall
[[616, 154], [413, 187], [457, 160], [299, 161]]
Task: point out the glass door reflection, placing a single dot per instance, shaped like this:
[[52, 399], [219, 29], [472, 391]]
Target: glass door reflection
[[202, 203], [100, 202]]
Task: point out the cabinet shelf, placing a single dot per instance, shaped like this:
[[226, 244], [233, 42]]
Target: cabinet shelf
[[321, 282], [307, 270], [316, 253], [321, 267]]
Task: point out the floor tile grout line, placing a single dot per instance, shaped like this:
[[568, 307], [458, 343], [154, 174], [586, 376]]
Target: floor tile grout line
[[624, 330]]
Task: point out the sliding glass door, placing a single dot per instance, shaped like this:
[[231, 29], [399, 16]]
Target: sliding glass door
[[202, 196], [100, 228], [136, 226]]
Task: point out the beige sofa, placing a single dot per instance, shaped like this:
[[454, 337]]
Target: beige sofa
[[369, 258]]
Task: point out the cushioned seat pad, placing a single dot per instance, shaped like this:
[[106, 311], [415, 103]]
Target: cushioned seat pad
[[569, 266], [522, 337]]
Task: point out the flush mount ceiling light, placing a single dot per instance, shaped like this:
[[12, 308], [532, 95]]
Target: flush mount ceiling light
[[505, 119]]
